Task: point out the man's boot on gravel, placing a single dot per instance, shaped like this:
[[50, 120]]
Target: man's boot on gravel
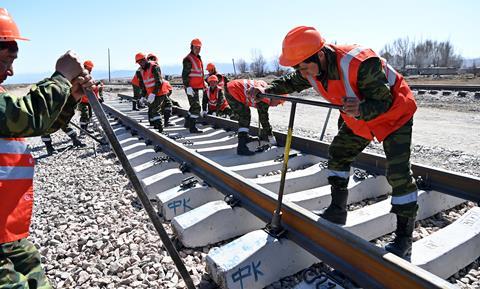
[[337, 211], [402, 244]]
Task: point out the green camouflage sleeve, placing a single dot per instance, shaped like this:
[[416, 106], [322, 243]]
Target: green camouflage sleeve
[[288, 83], [46, 107], [157, 74], [373, 87], [143, 89], [220, 100], [187, 67]]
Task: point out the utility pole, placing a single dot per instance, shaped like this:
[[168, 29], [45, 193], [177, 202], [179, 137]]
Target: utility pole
[[109, 79], [234, 70]]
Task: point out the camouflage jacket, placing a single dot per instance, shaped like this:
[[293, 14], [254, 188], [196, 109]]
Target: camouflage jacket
[[372, 84], [47, 107]]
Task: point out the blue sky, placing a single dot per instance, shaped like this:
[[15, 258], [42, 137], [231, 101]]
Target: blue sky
[[228, 29]]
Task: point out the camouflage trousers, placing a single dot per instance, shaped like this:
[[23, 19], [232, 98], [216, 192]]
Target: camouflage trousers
[[154, 110], [166, 105], [68, 130], [244, 116], [346, 146], [85, 113], [194, 102], [20, 266]]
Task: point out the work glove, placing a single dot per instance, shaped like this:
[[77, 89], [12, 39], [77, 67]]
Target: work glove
[[189, 91], [151, 98], [214, 114]]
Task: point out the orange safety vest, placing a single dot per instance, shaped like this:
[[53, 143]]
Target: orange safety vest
[[135, 80], [149, 81], [238, 89], [95, 90], [196, 73], [213, 98], [16, 189], [349, 59]]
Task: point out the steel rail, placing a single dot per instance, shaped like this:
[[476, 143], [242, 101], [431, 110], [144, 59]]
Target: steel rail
[[135, 181], [368, 265]]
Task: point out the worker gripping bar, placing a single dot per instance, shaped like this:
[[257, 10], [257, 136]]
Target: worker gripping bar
[[127, 167], [301, 100]]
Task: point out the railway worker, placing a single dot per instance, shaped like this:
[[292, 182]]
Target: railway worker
[[193, 81], [240, 102], [377, 103], [151, 84], [215, 102], [212, 70], [166, 108], [138, 91], [85, 107], [48, 106]]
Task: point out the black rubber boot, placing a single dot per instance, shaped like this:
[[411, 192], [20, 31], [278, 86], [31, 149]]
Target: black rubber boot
[[166, 117], [186, 124], [242, 148], [402, 244], [134, 105], [158, 126], [193, 126], [337, 211], [50, 149]]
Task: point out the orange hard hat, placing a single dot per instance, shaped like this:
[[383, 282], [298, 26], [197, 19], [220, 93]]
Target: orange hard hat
[[139, 56], [88, 64], [299, 44], [212, 78], [196, 42], [210, 66], [8, 28]]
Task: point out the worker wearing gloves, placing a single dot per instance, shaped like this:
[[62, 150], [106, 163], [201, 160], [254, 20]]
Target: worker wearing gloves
[[240, 102], [48, 106], [377, 104], [84, 106], [166, 108], [151, 84], [215, 103], [193, 81]]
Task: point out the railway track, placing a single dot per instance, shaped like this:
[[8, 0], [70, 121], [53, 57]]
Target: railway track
[[209, 194]]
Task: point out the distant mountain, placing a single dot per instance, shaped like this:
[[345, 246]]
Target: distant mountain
[[103, 74]]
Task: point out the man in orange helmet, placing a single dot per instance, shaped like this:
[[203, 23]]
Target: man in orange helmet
[[167, 104], [84, 105], [240, 97], [48, 106], [377, 103], [215, 102], [193, 81], [212, 70], [137, 88], [152, 88]]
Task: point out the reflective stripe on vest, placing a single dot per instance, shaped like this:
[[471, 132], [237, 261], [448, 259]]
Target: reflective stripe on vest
[[16, 189], [196, 70]]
